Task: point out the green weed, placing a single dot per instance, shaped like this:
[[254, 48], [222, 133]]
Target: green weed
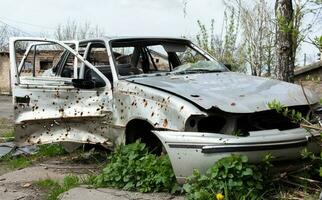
[[54, 188], [232, 176], [50, 150], [17, 162], [133, 168]]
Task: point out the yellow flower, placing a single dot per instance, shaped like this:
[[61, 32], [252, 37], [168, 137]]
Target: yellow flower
[[219, 196]]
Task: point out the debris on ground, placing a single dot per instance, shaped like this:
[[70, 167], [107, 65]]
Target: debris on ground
[[10, 147]]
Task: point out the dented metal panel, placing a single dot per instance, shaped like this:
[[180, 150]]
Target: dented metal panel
[[207, 148], [230, 92], [160, 109]]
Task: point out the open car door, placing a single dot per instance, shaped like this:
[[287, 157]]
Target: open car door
[[57, 106]]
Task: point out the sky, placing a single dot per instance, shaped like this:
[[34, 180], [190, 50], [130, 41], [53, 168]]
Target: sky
[[119, 17]]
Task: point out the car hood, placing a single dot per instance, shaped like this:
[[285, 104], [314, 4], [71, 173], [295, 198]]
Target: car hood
[[229, 91]]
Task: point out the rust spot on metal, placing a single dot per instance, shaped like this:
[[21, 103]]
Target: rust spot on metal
[[145, 103], [165, 123]]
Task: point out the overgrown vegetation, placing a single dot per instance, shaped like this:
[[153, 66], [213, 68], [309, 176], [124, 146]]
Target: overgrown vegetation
[[291, 114], [133, 168], [310, 176], [54, 188], [231, 176]]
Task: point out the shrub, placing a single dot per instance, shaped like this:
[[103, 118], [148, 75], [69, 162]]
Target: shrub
[[133, 168], [232, 176]]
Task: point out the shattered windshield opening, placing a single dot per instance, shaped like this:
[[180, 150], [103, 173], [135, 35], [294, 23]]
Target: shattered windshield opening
[[201, 66], [155, 57]]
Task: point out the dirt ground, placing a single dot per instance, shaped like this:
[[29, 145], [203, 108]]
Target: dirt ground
[[20, 184]]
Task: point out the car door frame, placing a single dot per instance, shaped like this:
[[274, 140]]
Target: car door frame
[[38, 122]]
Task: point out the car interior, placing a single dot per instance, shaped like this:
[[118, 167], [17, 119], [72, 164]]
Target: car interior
[[134, 57]]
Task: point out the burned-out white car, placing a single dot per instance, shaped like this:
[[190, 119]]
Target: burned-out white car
[[117, 90]]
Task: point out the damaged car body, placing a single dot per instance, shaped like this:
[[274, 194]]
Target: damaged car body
[[160, 90]]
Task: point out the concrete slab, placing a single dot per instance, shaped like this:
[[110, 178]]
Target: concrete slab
[[83, 193], [30, 174]]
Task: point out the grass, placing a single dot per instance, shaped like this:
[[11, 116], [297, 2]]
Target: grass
[[296, 193], [22, 161], [6, 131], [9, 134], [50, 150], [55, 189]]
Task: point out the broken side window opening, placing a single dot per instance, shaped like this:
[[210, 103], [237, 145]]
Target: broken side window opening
[[96, 54], [41, 58], [141, 57], [63, 67]]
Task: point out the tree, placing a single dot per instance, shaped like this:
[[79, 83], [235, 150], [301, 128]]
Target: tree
[[291, 31], [223, 47], [317, 42], [3, 37], [72, 30], [258, 38], [268, 43], [285, 44], [6, 32]]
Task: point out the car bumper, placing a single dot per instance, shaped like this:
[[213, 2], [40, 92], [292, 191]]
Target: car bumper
[[197, 150]]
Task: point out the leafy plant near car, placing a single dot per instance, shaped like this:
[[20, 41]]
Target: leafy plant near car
[[291, 114], [232, 176], [133, 168], [314, 166]]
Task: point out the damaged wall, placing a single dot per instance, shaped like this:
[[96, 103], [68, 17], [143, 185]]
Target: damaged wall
[[43, 61], [4, 73]]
